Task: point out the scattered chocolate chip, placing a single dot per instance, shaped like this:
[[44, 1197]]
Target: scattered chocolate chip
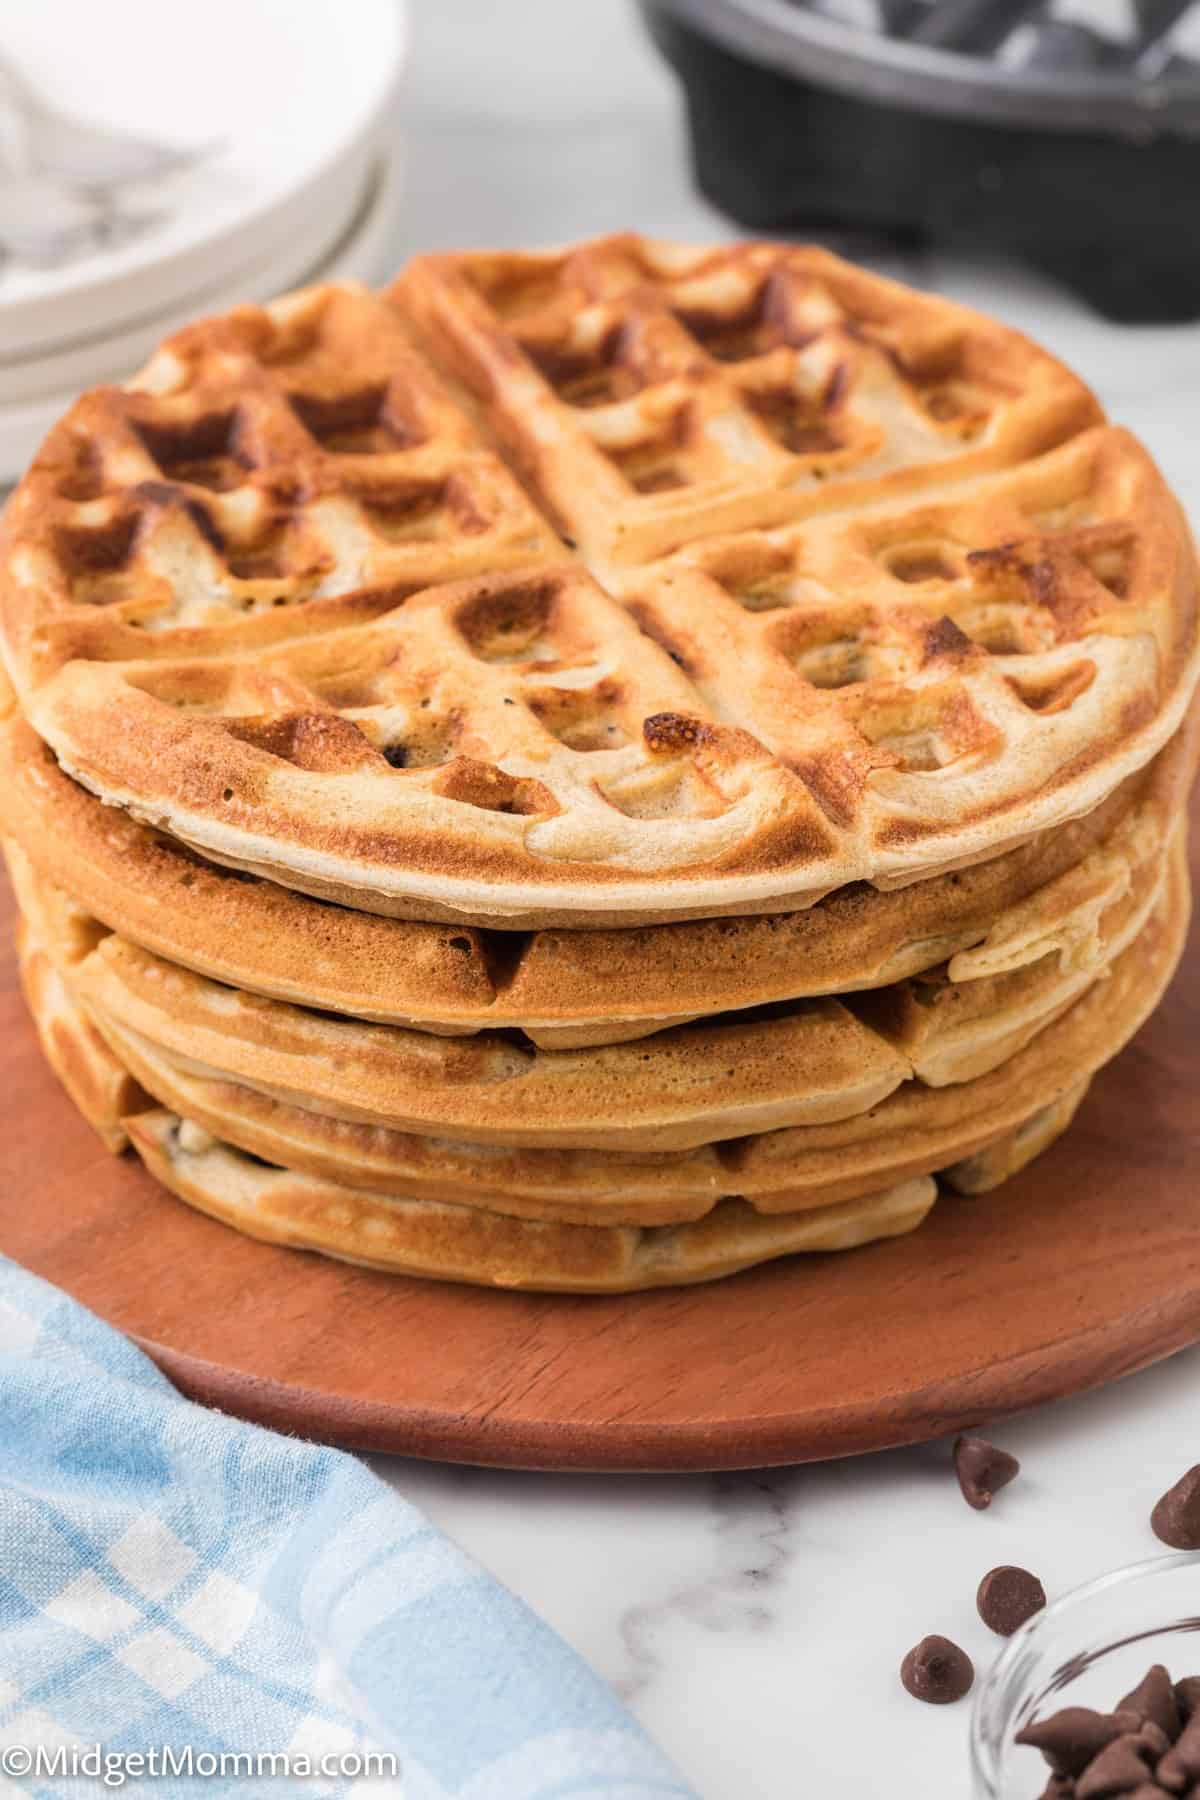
[[1008, 1596], [937, 1671], [1153, 1700], [982, 1470], [1176, 1518], [1071, 1738]]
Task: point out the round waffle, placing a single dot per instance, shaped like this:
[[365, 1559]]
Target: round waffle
[[114, 1074], [424, 1235], [568, 989], [974, 1151], [999, 1117], [462, 1243], [809, 1062], [885, 598]]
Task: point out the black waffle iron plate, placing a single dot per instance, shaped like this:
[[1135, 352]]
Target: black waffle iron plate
[[1069, 137]]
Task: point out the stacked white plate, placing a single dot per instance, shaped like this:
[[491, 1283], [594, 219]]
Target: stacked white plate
[[294, 97]]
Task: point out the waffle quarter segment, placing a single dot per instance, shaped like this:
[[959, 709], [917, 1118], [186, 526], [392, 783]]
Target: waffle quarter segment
[[652, 393]]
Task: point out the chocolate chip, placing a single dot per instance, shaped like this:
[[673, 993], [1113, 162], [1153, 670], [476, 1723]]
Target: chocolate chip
[[1071, 1738], [1153, 1699], [937, 1671], [1007, 1597], [1155, 1739], [982, 1470], [1170, 1778], [1176, 1518], [1120, 1767], [1181, 1764], [1187, 1696]]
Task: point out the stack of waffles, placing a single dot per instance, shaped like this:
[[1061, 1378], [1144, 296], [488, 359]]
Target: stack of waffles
[[593, 769]]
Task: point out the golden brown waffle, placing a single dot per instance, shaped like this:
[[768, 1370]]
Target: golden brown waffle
[[270, 472], [653, 394], [948, 647], [461, 1243], [974, 1150], [99, 1084], [423, 1235], [977, 1133], [998, 1161], [809, 1062], [427, 1237], [578, 988], [210, 619]]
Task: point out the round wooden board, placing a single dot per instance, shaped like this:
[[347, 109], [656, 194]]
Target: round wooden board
[[1084, 1268]]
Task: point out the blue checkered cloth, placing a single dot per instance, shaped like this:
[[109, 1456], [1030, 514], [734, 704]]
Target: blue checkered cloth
[[172, 1577]]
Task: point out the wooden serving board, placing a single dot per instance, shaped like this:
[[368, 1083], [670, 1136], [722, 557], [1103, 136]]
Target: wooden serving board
[[1084, 1268]]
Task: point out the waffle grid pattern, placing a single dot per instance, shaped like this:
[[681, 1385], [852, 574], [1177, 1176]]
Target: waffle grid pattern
[[247, 596], [651, 393], [618, 587]]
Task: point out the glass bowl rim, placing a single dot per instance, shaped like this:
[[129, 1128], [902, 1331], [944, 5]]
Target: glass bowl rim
[[982, 1766]]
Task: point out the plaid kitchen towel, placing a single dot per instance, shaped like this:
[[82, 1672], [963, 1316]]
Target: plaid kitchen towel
[[191, 1605]]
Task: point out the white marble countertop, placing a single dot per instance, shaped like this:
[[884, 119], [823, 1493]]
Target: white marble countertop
[[756, 1622]]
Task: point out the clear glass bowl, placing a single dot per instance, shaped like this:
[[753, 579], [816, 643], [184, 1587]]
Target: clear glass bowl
[[1088, 1649]]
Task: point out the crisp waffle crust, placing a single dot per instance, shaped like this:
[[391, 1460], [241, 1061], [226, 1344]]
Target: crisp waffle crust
[[568, 989], [341, 1197], [812, 1064], [463, 1243], [976, 1134], [630, 583]]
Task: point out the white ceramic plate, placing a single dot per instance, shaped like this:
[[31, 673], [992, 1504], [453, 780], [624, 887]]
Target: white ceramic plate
[[295, 92], [87, 361], [359, 254]]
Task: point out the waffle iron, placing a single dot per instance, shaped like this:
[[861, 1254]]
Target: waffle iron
[[1016, 125]]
